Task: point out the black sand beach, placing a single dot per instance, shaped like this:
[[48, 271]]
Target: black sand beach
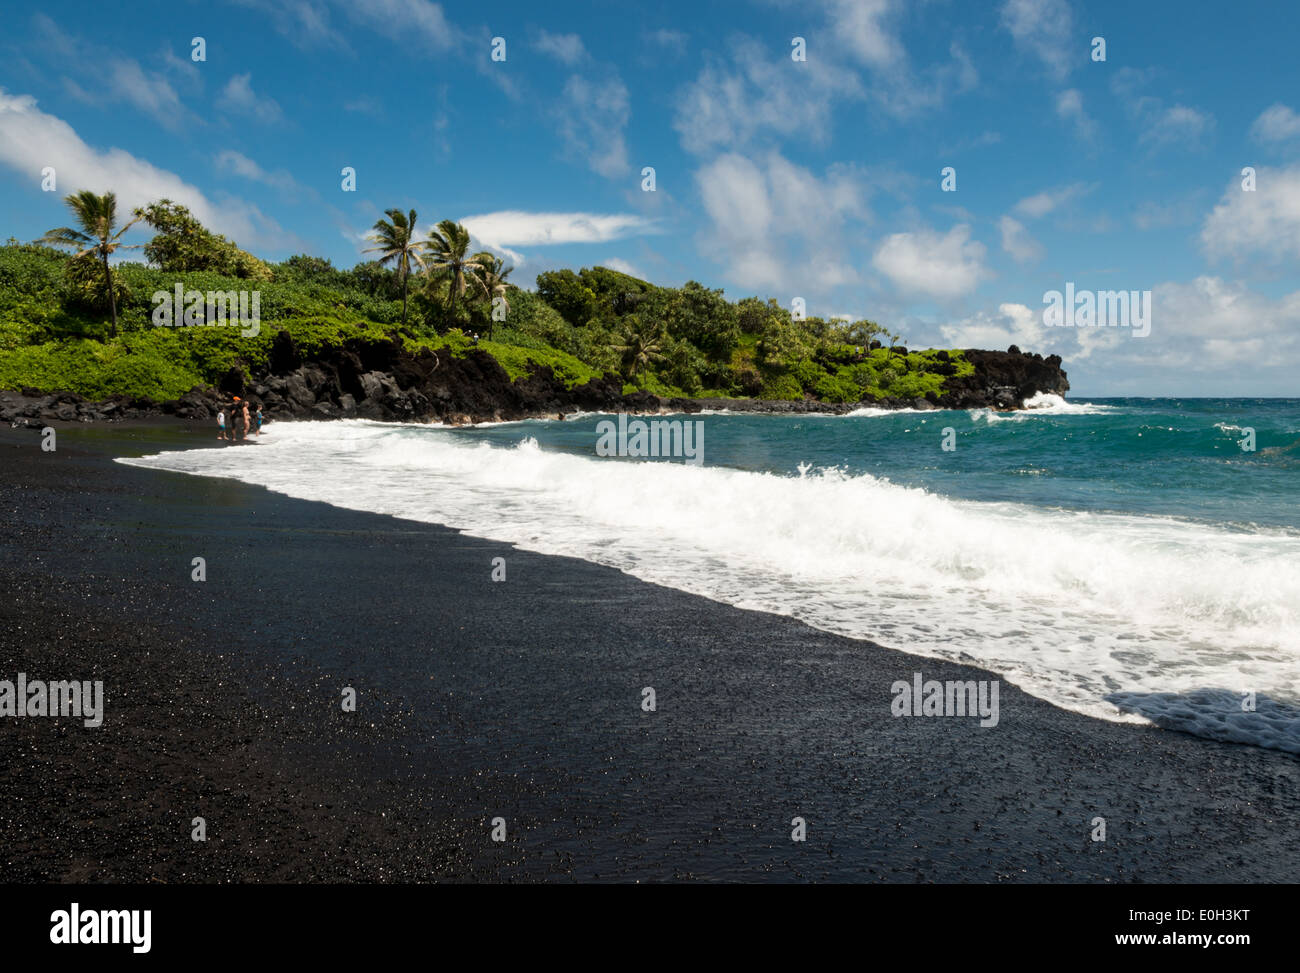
[[522, 700]]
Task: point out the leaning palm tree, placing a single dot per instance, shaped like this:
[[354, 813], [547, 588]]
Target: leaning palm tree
[[397, 245], [642, 345], [448, 247], [98, 218], [491, 281]]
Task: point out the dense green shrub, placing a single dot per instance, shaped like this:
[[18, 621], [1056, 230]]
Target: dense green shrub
[[54, 330]]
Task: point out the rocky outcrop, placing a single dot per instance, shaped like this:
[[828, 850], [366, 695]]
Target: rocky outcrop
[[30, 407], [384, 381], [1003, 380]]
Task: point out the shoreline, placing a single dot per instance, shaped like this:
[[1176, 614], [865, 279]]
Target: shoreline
[[521, 699], [21, 409]]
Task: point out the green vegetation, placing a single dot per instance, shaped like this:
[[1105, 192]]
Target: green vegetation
[[98, 238], [78, 323], [398, 246]]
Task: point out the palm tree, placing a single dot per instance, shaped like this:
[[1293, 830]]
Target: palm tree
[[98, 218], [491, 281], [397, 244], [642, 345], [448, 246]]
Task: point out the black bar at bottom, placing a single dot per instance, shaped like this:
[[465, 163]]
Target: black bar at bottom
[[335, 923]]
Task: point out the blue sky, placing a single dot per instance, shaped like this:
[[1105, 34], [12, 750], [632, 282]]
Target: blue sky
[[818, 179]]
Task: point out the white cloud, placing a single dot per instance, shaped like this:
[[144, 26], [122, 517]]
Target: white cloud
[[1040, 204], [756, 92], [1022, 325], [182, 67], [623, 267], [238, 97], [243, 166], [30, 139], [150, 93], [1160, 126], [1017, 241], [673, 41], [364, 105], [515, 228], [592, 119], [404, 19], [1277, 123], [862, 26], [984, 139], [1045, 29], [1206, 325], [564, 47], [775, 225], [109, 77], [1014, 324], [306, 23], [310, 23], [865, 32], [1264, 224], [926, 263], [1177, 124], [1069, 106], [1209, 324]]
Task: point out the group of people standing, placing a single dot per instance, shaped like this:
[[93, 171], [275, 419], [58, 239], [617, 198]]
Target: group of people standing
[[241, 424]]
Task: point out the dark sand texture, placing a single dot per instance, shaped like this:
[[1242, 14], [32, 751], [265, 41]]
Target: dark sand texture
[[519, 699]]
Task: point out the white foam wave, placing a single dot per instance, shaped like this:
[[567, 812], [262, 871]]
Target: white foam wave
[[869, 411], [1041, 404], [1071, 606]]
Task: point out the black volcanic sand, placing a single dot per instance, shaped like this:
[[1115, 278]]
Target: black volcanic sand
[[519, 699]]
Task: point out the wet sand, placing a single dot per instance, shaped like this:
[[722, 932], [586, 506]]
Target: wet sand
[[521, 700]]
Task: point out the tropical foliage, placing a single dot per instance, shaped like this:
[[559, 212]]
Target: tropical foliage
[[398, 246], [98, 237], [79, 323]]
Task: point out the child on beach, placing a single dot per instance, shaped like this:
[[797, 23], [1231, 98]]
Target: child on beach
[[221, 424], [258, 420]]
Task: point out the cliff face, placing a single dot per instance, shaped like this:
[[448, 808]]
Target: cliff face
[[383, 381]]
